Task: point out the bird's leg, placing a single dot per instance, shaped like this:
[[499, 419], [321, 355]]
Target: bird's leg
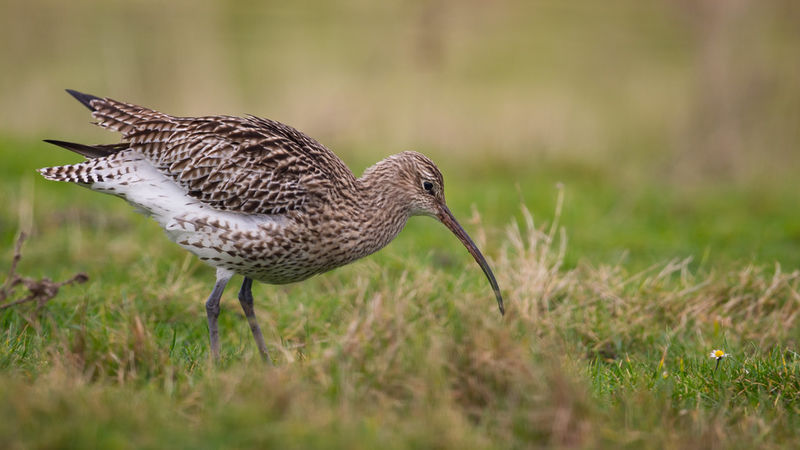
[[212, 310], [246, 300]]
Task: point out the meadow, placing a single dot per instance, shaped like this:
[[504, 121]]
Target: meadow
[[628, 171]]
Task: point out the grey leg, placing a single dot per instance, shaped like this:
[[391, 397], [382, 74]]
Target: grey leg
[[212, 310], [246, 300]]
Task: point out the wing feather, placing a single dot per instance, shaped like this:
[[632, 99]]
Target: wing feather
[[247, 164]]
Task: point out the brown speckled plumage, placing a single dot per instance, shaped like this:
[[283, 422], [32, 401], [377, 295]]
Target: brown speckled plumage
[[255, 197]]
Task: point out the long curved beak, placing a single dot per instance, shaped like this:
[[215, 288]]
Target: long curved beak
[[446, 217]]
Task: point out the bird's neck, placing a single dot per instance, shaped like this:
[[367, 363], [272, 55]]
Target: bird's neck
[[380, 216]]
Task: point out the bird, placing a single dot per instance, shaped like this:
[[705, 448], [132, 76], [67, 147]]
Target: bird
[[255, 197]]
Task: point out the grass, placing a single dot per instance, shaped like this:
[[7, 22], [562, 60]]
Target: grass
[[406, 349]]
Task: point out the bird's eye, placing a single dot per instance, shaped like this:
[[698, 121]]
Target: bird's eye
[[428, 186]]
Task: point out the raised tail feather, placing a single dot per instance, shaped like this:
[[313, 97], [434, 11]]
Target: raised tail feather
[[75, 173], [89, 151], [84, 172], [123, 117], [86, 99]]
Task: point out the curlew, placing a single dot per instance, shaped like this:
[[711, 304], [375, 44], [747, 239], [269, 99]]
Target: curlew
[[255, 197]]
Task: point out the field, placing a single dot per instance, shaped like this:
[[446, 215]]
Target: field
[[629, 171]]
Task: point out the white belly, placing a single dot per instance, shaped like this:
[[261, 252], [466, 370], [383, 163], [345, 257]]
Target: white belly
[[217, 237]]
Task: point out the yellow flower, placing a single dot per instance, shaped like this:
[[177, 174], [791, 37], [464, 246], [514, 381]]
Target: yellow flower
[[718, 354]]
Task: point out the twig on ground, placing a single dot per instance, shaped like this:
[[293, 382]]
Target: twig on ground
[[39, 291]]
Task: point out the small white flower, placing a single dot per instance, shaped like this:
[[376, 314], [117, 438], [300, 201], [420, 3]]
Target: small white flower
[[718, 354]]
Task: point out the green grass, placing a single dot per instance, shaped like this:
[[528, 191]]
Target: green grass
[[611, 315]]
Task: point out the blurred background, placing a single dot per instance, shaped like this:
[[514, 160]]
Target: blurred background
[[673, 125]]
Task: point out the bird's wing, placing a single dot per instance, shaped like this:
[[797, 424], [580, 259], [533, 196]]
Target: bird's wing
[[248, 164]]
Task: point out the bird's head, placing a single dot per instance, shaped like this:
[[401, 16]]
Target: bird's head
[[414, 181]]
